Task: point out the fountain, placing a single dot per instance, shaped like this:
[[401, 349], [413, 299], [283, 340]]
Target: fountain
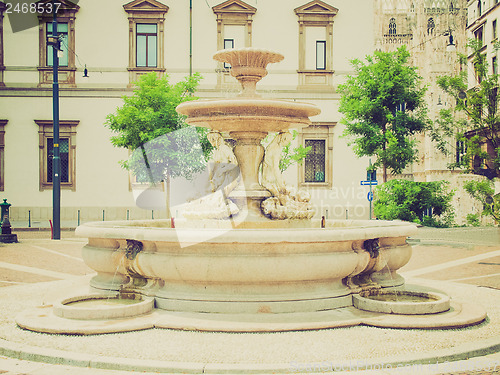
[[269, 267]]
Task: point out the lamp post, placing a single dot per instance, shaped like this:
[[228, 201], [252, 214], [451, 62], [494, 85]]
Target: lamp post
[[54, 41]]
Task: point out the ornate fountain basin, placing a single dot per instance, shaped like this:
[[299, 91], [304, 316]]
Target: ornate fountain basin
[[244, 114], [274, 266]]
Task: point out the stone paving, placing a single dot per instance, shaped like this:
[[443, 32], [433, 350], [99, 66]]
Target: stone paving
[[463, 255]]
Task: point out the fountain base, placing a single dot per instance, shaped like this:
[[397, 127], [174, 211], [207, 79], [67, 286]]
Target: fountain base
[[47, 319]]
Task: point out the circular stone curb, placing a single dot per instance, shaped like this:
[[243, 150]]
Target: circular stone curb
[[436, 302], [60, 357], [66, 309]]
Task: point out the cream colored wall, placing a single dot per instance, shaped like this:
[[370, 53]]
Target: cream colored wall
[[100, 180], [102, 44]]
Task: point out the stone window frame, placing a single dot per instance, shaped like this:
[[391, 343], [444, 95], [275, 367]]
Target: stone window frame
[[232, 12], [315, 14], [148, 12], [2, 153], [318, 131], [2, 65], [67, 129], [65, 14]]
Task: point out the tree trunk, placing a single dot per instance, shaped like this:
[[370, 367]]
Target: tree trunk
[[384, 174]]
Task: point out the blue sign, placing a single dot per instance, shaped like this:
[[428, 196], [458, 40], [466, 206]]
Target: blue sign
[[370, 196], [373, 182]]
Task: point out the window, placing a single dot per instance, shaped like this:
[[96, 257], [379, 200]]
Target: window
[[315, 34], [234, 21], [321, 54], [66, 28], [494, 29], [228, 44], [461, 149], [146, 45], [479, 8], [317, 167], [67, 152], [494, 65], [234, 30], [62, 32], [392, 27], [478, 35], [146, 37], [430, 26], [314, 165], [64, 156]]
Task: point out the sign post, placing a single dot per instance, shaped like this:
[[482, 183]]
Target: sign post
[[370, 181]]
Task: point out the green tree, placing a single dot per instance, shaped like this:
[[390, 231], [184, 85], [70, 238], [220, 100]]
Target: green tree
[[474, 121], [484, 192], [427, 203], [148, 122], [383, 106]]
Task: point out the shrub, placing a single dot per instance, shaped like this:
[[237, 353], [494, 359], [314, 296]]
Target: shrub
[[426, 203]]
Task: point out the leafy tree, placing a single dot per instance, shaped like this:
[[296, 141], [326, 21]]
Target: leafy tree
[[149, 123], [383, 106], [420, 202], [474, 121], [484, 192]]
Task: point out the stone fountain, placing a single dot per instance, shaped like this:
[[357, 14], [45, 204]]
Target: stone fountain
[[249, 272]]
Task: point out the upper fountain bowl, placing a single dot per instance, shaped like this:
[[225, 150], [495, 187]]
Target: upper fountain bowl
[[248, 64], [248, 112]]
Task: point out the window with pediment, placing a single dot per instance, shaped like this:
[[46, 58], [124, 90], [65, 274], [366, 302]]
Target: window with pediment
[[66, 15], [315, 44], [234, 30], [146, 37]]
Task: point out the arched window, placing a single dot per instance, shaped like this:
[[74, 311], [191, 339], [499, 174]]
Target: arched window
[[430, 26], [392, 26]]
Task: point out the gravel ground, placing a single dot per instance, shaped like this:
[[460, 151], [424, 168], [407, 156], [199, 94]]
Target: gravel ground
[[337, 345]]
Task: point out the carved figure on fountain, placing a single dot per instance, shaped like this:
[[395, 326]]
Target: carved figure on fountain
[[223, 177], [286, 202]]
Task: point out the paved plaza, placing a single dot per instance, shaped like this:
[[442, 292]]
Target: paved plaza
[[468, 256]]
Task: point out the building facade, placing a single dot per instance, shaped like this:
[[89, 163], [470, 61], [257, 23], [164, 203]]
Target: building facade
[[117, 41], [434, 31]]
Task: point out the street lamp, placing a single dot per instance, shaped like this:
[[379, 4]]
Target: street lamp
[[55, 42], [451, 47]]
